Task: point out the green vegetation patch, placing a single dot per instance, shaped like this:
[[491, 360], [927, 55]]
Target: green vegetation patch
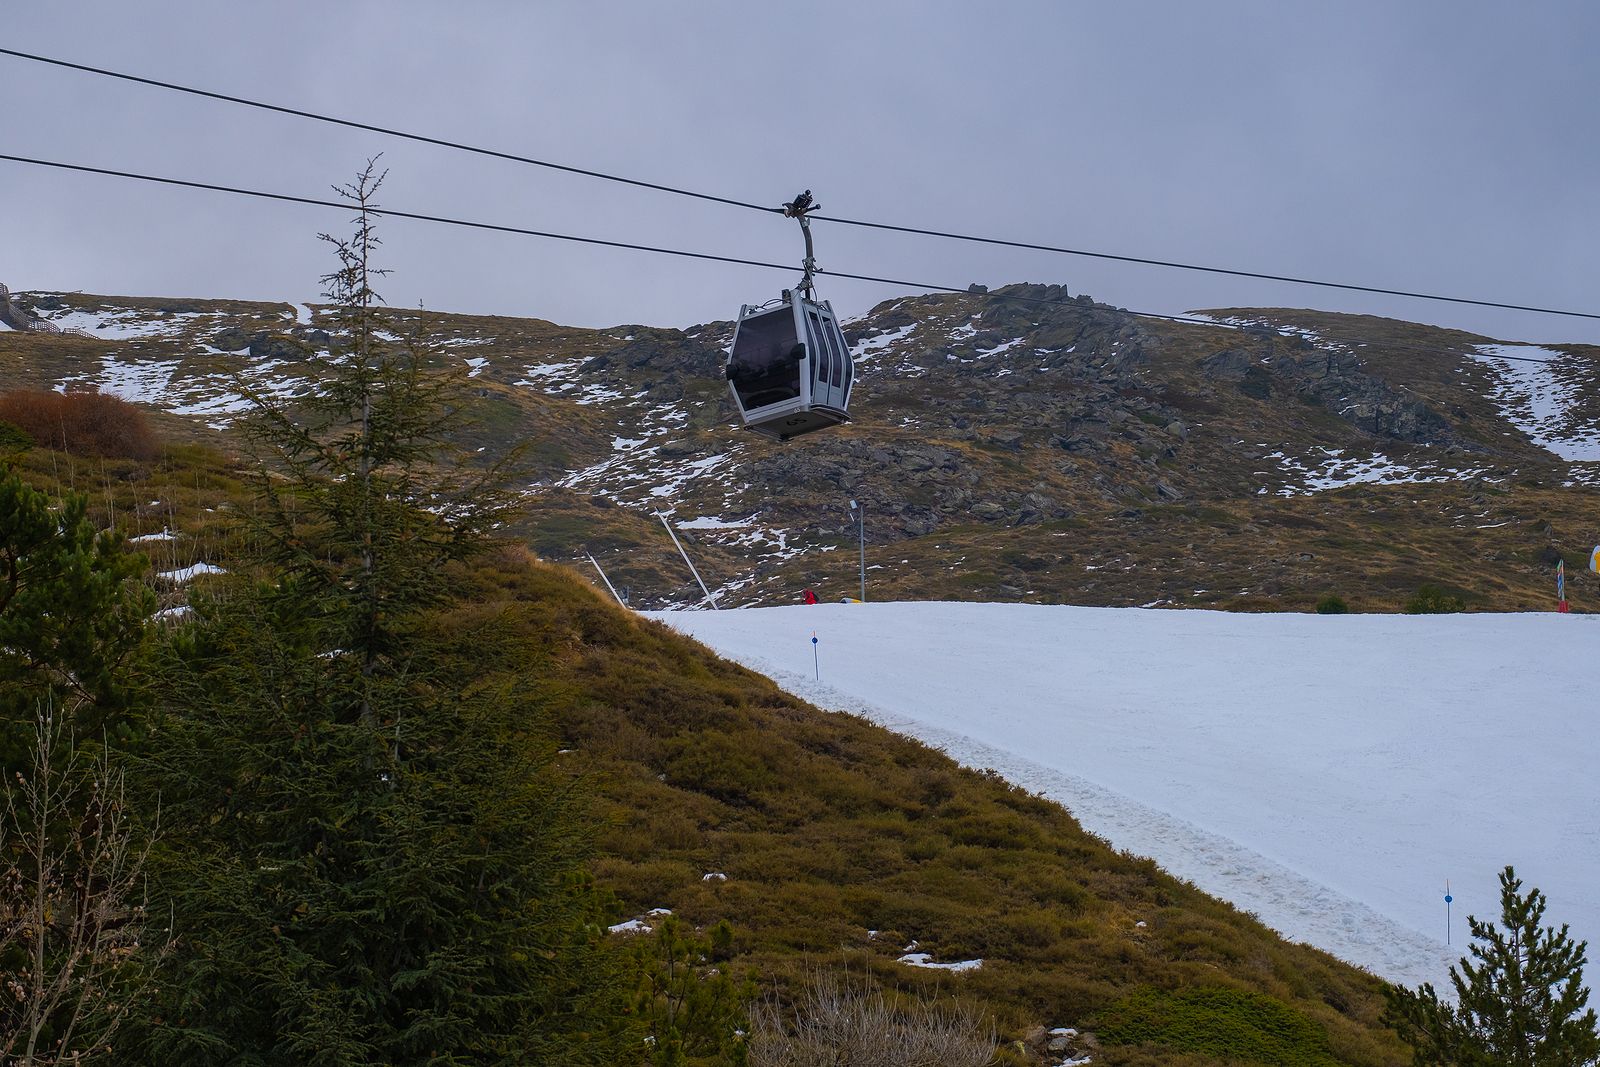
[[1230, 1024], [1433, 599], [14, 438]]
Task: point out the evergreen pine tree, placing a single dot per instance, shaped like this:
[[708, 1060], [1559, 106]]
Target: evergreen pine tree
[[73, 631], [381, 865], [1521, 1004], [72, 620], [696, 1012]]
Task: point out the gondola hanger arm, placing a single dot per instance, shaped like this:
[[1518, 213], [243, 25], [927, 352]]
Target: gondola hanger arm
[[800, 208]]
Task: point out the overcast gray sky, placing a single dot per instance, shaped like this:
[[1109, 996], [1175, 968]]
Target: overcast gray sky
[[1441, 145]]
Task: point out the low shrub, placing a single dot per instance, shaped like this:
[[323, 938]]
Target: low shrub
[[1434, 600], [14, 438], [719, 765], [1241, 1026], [1332, 604], [90, 424]]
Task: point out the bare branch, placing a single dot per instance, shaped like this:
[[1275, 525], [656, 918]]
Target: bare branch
[[72, 898]]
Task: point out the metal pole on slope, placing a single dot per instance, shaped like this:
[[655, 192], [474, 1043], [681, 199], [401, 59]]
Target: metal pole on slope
[[603, 578], [860, 513], [672, 534]]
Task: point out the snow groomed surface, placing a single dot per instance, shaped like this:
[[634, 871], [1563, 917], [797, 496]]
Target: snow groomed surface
[[1327, 773]]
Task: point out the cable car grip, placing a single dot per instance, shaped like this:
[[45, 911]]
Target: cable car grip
[[799, 208]]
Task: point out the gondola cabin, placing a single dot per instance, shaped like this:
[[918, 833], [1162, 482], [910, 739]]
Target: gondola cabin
[[789, 368]]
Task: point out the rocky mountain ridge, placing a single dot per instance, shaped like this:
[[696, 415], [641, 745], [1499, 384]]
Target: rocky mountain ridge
[[1023, 443]]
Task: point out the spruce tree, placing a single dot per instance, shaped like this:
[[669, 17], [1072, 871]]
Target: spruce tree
[[1521, 1004], [74, 944], [382, 865], [72, 621]]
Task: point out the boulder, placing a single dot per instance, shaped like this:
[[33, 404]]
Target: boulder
[[1009, 440], [233, 339], [266, 346]]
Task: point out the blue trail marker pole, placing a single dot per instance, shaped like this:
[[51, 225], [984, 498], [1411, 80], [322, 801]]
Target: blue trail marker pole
[[816, 664], [1447, 899]]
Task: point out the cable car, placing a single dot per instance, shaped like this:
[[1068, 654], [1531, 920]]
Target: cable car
[[789, 369]]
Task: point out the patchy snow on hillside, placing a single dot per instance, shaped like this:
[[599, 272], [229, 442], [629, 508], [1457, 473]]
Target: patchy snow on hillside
[[596, 394], [217, 410], [1334, 470], [924, 960], [1540, 399], [1328, 773], [1002, 347], [708, 522], [562, 378], [136, 324], [208, 394], [864, 350], [196, 570], [141, 383], [1242, 323], [551, 377]]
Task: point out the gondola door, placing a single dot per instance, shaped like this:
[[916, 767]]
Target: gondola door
[[830, 358]]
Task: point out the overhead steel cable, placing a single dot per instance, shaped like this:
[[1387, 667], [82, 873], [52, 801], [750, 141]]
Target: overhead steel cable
[[732, 202], [526, 232], [390, 212], [1348, 286], [386, 131], [445, 220]]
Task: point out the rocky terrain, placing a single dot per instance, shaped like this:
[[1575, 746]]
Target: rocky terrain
[[1021, 444]]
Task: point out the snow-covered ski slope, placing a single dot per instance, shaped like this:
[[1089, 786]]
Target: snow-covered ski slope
[[1328, 773]]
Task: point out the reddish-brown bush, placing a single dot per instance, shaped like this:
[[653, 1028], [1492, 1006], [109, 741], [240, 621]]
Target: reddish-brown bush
[[92, 424]]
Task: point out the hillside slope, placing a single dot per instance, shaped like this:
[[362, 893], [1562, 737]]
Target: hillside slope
[[838, 843], [1023, 445]]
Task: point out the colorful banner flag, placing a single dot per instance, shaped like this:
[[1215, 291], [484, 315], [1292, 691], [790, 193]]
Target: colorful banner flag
[[1594, 559], [1561, 579]]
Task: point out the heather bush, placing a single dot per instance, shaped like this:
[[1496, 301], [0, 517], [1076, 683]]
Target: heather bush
[[1239, 1025], [1431, 599], [14, 439]]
